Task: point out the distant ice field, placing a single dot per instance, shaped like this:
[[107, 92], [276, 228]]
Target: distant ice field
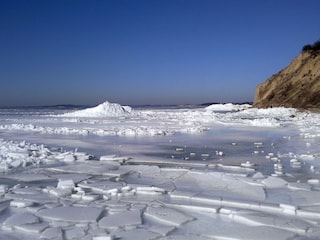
[[150, 132]]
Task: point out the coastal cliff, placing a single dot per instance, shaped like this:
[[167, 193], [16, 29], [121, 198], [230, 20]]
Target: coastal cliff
[[297, 85]]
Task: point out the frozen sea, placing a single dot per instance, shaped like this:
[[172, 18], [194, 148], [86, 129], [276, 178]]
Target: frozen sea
[[225, 171]]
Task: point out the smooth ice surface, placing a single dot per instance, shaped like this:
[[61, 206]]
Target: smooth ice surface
[[120, 220], [72, 214], [219, 172], [167, 216], [21, 219]]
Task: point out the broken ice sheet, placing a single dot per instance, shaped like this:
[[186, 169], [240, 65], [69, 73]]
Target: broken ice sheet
[[35, 228], [30, 177], [141, 234], [219, 185], [94, 168], [167, 216], [283, 209], [71, 214], [122, 219], [20, 219], [147, 175], [278, 222], [40, 198], [52, 233], [103, 187], [212, 226]]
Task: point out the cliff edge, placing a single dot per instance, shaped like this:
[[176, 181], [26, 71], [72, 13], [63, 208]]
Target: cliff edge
[[297, 85]]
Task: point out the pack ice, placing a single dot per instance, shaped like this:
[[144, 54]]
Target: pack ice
[[217, 175]]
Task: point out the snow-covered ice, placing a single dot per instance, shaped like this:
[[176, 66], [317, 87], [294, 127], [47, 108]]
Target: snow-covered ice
[[105, 109], [224, 171]]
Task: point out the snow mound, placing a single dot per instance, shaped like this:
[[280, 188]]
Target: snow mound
[[105, 109], [227, 107]]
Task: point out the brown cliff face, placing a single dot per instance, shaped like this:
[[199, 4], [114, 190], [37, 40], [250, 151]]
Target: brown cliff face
[[297, 85]]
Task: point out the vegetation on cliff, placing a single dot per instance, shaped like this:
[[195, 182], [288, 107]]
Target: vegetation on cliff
[[315, 48]]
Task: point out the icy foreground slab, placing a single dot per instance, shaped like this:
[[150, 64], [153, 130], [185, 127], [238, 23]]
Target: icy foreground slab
[[21, 219], [167, 216], [120, 220], [72, 214]]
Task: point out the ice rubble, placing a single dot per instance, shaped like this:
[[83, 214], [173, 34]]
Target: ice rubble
[[15, 155], [105, 109], [108, 198], [227, 107], [121, 121]]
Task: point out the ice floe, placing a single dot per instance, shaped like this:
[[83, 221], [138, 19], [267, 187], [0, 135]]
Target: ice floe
[[71, 214]]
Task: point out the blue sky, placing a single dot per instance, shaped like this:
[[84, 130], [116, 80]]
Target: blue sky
[[147, 52]]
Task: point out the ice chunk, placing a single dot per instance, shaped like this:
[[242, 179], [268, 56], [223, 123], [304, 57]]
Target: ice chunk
[[35, 228], [150, 190], [309, 157], [302, 197], [59, 192], [114, 158], [66, 184], [140, 234], [274, 182], [103, 187], [90, 197], [82, 156], [36, 198], [52, 233], [27, 190], [3, 188], [219, 185], [94, 168], [4, 203], [162, 230], [104, 237], [72, 214], [179, 149], [21, 203], [28, 177], [265, 219], [75, 233], [314, 181], [20, 219], [299, 186], [247, 164], [167, 216], [127, 218], [288, 208], [258, 175]]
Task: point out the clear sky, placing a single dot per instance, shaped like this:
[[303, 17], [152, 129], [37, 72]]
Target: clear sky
[[147, 51]]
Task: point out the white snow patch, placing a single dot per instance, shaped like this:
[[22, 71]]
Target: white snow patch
[[227, 107], [105, 109]]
